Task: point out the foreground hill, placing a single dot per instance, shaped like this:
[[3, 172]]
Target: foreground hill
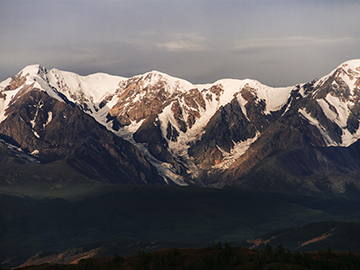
[[338, 236], [48, 218], [218, 257], [157, 129], [335, 236]]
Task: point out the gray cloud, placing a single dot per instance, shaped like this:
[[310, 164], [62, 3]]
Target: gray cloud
[[278, 42], [266, 44], [177, 42]]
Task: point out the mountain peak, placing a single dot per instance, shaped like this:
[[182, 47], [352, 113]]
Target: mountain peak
[[352, 64], [33, 70], [171, 83], [351, 67]]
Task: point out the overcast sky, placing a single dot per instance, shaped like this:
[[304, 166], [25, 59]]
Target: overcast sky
[[278, 42]]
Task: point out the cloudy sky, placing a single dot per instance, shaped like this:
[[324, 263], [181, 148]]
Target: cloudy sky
[[278, 42]]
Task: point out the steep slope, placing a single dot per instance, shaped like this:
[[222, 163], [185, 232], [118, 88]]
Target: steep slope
[[43, 129], [213, 134], [307, 170], [321, 114], [182, 128]]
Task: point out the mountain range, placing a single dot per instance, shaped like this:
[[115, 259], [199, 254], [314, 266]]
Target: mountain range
[[157, 129], [88, 159]]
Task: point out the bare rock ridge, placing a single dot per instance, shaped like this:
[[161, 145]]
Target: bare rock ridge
[[154, 128]]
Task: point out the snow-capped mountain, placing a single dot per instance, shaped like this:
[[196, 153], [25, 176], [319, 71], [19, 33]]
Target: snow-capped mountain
[[208, 134], [40, 123]]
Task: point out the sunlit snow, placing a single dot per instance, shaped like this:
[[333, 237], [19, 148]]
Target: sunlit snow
[[237, 151], [314, 122], [92, 89]]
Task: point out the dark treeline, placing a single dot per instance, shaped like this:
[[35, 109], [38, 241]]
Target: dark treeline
[[219, 257]]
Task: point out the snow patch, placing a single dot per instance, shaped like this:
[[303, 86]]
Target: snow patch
[[314, 122], [50, 116], [348, 138], [33, 121], [164, 169], [35, 152], [275, 98], [36, 134], [17, 151], [4, 102], [237, 151], [342, 109]]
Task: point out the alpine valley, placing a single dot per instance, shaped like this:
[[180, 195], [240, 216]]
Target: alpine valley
[[158, 160]]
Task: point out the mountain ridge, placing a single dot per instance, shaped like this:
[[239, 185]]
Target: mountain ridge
[[201, 134]]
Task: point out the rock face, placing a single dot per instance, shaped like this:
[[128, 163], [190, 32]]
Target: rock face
[[225, 128], [160, 129], [47, 130]]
